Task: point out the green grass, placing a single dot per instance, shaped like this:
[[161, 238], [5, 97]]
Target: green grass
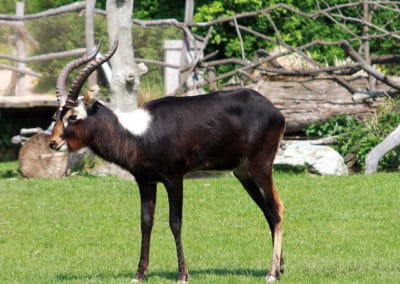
[[86, 230]]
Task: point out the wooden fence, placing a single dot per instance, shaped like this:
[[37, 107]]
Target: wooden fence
[[17, 23]]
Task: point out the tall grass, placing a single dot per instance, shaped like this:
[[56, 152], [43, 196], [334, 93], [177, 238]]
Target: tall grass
[[86, 229]]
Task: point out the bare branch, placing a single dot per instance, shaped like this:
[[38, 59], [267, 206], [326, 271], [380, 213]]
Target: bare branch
[[240, 38], [368, 68], [307, 58], [22, 32], [193, 64], [157, 62], [49, 56], [369, 24], [15, 69], [77, 6]]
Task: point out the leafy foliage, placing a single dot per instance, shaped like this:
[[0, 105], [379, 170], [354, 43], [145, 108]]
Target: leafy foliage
[[5, 133], [154, 9], [224, 37], [356, 137], [293, 29]]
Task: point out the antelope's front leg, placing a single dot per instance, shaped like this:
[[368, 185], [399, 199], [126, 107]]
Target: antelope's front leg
[[148, 204], [175, 198]]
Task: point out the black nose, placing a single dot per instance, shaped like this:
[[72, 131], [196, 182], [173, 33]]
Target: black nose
[[53, 145]]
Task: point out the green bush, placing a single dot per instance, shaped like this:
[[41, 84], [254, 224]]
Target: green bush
[[294, 29], [358, 137], [5, 133]]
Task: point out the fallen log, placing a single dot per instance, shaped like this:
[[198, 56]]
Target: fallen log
[[308, 100]]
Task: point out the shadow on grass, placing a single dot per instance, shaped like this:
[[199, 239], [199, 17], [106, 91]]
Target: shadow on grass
[[173, 275], [90, 276], [167, 275]]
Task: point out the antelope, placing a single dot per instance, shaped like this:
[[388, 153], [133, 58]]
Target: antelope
[[237, 130]]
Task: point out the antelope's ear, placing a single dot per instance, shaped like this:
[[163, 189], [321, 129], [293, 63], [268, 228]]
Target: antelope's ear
[[91, 95], [87, 99]]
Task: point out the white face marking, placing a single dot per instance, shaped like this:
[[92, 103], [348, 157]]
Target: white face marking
[[63, 147], [136, 122], [79, 111]]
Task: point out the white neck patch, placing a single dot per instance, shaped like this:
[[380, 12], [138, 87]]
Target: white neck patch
[[136, 122]]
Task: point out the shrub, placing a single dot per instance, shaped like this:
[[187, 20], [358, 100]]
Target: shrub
[[358, 137]]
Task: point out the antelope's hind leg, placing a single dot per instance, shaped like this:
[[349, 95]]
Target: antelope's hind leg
[[256, 178]]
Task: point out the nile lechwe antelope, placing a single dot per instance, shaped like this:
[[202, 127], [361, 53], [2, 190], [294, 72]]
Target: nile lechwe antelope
[[236, 130]]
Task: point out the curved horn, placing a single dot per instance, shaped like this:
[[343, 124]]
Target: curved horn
[[80, 79], [61, 91]]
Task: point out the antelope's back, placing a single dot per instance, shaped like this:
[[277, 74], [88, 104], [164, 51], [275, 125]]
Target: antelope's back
[[230, 110], [212, 131]]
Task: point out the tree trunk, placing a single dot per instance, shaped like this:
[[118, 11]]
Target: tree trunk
[[20, 52], [373, 157], [12, 84], [89, 33], [366, 43], [189, 7], [126, 73]]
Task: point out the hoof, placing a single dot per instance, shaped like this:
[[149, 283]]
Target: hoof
[[182, 282], [135, 281], [270, 279]]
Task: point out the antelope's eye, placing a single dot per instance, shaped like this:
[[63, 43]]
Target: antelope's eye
[[73, 118]]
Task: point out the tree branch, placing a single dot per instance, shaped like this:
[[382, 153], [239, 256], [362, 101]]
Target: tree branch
[[44, 57], [77, 6], [15, 69], [368, 68]]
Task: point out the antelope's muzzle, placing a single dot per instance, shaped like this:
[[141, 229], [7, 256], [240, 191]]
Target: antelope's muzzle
[[56, 141]]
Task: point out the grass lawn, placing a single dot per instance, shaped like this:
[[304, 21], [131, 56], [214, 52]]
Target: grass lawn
[[87, 230]]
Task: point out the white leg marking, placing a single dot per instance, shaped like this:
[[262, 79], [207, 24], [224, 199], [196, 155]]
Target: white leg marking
[[270, 279]]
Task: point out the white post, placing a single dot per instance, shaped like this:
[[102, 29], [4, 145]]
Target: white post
[[172, 55]]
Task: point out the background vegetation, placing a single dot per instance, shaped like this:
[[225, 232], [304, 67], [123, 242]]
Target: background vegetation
[[356, 138], [295, 30], [67, 32], [85, 229]]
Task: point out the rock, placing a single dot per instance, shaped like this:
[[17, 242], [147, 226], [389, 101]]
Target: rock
[[322, 160], [104, 168]]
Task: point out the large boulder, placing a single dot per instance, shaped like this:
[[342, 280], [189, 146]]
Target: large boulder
[[318, 159]]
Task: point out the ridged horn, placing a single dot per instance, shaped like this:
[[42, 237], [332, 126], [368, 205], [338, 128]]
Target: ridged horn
[[61, 90], [80, 79]]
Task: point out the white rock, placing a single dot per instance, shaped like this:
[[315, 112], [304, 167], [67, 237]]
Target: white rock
[[322, 160]]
